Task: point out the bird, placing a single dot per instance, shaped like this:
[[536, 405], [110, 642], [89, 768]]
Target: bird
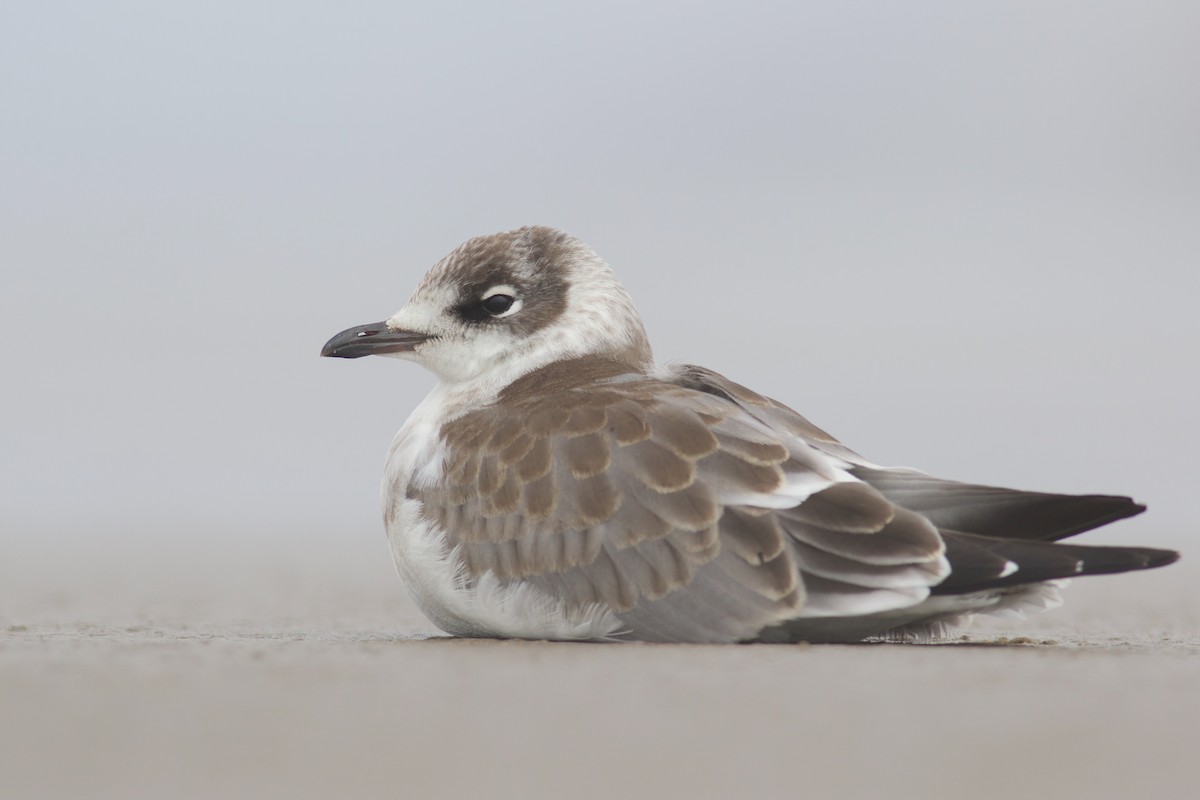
[[557, 484]]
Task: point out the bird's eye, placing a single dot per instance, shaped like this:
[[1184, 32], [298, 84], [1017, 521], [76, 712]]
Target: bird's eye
[[497, 304]]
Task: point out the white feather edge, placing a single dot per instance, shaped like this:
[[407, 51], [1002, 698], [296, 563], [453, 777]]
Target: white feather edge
[[435, 578]]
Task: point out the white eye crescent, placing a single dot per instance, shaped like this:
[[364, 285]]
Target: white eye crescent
[[501, 301]]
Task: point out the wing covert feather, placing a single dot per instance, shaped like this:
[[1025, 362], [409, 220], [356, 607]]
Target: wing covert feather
[[679, 504]]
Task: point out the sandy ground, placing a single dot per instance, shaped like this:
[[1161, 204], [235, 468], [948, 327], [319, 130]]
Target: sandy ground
[[311, 676]]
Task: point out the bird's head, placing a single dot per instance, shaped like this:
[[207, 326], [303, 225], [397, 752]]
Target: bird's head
[[503, 305]]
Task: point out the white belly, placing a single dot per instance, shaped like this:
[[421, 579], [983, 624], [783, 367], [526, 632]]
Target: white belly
[[436, 580]]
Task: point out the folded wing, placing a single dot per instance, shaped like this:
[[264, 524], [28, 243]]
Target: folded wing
[[690, 518]]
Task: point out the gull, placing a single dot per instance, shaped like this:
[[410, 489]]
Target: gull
[[556, 484]]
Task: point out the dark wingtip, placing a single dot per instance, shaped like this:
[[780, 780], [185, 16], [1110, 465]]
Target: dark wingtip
[[1160, 558], [1079, 513], [1107, 560], [978, 562]]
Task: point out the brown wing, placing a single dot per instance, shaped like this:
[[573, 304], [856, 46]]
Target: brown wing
[[995, 538], [952, 505], [689, 517], [770, 412]]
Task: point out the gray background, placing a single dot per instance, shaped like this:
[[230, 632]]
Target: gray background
[[960, 236]]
